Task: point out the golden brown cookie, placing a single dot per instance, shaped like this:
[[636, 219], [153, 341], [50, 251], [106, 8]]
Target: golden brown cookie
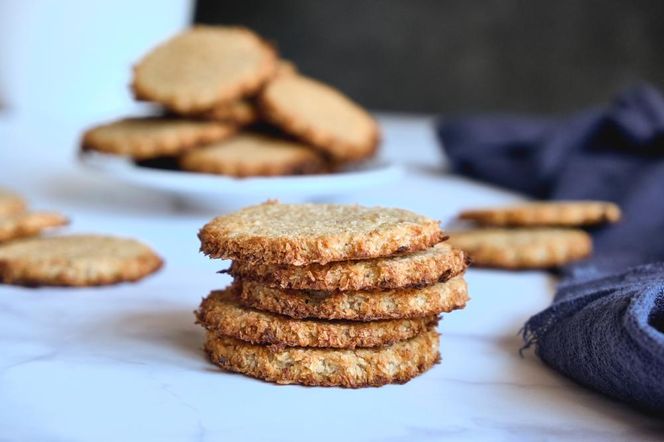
[[361, 367], [151, 137], [426, 267], [28, 224], [222, 314], [203, 67], [75, 260], [249, 154], [240, 112], [554, 213], [300, 234], [357, 305], [321, 116], [11, 203], [523, 248]]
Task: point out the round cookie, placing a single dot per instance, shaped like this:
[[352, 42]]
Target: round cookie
[[28, 224], [426, 267], [249, 154], [320, 116], [203, 67], [300, 234], [358, 306], [75, 260], [361, 367], [555, 213], [10, 203], [151, 137], [523, 248], [222, 314]]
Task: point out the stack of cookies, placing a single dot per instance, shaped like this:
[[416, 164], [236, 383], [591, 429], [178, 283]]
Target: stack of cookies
[[230, 106], [532, 235], [329, 295]]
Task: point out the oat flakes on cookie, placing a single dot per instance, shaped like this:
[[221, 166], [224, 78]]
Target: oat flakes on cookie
[[523, 248], [301, 234], [150, 137], [251, 154], [204, 67], [321, 116], [222, 314], [369, 305], [426, 267], [29, 224], [75, 260], [554, 213], [361, 367]]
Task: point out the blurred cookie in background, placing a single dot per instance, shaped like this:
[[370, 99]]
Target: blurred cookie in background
[[320, 115], [76, 260], [531, 235], [29, 224], [254, 154], [150, 137], [527, 248], [203, 67], [241, 113], [209, 82], [28, 259], [17, 221], [549, 213]]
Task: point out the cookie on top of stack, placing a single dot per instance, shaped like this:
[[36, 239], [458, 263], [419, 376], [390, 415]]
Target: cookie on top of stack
[[230, 106], [329, 295], [532, 235]]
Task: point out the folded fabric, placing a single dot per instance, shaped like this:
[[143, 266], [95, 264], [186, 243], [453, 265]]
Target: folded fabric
[[605, 327]]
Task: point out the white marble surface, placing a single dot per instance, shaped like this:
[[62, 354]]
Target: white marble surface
[[124, 363]]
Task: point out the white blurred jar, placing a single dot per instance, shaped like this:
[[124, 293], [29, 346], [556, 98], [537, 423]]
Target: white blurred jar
[[74, 57]]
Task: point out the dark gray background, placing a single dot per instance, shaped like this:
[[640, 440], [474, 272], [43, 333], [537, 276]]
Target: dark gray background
[[462, 56]]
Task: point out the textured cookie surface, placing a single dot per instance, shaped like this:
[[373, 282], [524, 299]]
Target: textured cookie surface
[[426, 267], [358, 305], [300, 234], [361, 367], [10, 203], [75, 260], [203, 67], [222, 314], [523, 248], [321, 116], [249, 154], [150, 137], [557, 213], [28, 224]]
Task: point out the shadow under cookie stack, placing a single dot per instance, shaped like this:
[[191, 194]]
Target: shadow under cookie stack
[[329, 295]]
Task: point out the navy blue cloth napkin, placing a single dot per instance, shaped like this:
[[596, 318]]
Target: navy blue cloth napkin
[[605, 327]]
